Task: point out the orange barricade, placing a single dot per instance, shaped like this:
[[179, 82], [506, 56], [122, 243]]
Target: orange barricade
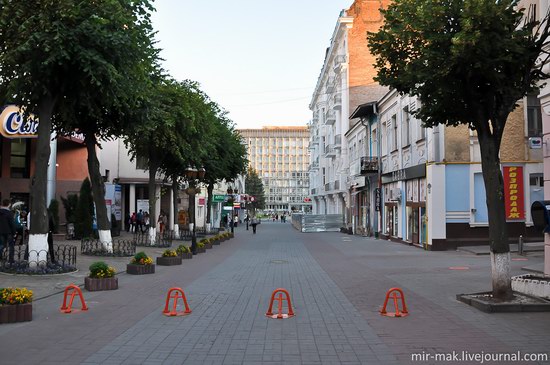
[[404, 312], [75, 290], [175, 293], [280, 314]]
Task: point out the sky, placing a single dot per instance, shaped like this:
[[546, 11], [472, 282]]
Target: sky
[[259, 60]]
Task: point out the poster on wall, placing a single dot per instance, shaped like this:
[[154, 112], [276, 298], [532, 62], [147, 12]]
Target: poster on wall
[[113, 201], [513, 193], [142, 204]]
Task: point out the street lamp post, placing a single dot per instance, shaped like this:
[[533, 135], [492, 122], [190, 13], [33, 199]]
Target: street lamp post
[[193, 176], [232, 201]]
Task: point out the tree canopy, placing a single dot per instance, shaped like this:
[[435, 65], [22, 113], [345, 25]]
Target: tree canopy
[[469, 62], [255, 187]]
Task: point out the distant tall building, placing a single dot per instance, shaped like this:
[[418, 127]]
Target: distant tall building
[[280, 156]]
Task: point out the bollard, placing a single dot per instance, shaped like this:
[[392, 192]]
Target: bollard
[[75, 290], [520, 245], [394, 295], [280, 299], [176, 293]]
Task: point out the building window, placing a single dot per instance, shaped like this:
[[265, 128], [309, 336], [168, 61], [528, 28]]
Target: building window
[[421, 131], [394, 132], [20, 158], [534, 116], [405, 132]]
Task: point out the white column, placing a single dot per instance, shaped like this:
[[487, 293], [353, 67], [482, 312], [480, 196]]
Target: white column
[[52, 169], [132, 199], [157, 206], [171, 220], [435, 202]]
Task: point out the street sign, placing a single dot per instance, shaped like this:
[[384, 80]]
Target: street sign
[[217, 198]]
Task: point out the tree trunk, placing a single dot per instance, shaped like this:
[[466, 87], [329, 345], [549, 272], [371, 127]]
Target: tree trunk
[[98, 194], [175, 203], [38, 238], [191, 191], [498, 231], [153, 167]]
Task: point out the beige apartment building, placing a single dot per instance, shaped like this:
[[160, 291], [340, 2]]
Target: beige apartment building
[[280, 156]]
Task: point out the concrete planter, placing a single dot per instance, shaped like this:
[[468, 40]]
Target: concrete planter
[[134, 269], [201, 250], [97, 284], [16, 313], [169, 261], [216, 242], [530, 284], [208, 246], [186, 256]]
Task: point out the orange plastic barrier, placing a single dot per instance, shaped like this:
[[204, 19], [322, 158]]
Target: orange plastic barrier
[[175, 293], [398, 313], [280, 314], [75, 291]]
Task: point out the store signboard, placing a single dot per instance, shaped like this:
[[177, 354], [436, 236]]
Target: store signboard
[[513, 193], [217, 198]]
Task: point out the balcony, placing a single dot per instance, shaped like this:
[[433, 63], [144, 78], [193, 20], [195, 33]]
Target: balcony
[[330, 151], [337, 101], [338, 141], [369, 165], [331, 84], [338, 63], [330, 117]]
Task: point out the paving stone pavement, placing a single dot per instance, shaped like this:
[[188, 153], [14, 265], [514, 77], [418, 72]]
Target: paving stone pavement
[[337, 283]]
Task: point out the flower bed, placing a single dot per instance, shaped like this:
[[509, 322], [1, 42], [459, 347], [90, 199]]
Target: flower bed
[[102, 277], [141, 264], [169, 258], [184, 252], [15, 305]]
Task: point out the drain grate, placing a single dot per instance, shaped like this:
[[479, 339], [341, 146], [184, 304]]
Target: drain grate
[[279, 261]]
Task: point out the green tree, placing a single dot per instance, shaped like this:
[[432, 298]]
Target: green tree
[[254, 187], [78, 63], [53, 210], [84, 211], [469, 62], [70, 203]]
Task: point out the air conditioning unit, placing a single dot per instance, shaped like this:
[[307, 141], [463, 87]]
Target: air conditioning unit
[[395, 194]]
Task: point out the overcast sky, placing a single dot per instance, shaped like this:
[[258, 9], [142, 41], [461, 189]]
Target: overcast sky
[[258, 59]]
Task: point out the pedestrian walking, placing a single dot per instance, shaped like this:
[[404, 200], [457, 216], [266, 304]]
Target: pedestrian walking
[[133, 222], [139, 221], [161, 222], [7, 229], [254, 223], [146, 221]]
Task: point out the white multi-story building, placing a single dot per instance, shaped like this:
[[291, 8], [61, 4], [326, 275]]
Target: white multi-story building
[[346, 81]]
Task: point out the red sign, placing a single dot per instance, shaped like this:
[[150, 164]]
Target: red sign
[[201, 202], [513, 192]]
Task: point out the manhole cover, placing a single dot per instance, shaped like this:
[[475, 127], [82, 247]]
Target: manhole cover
[[279, 261]]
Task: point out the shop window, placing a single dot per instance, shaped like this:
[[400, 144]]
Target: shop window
[[394, 132], [20, 158]]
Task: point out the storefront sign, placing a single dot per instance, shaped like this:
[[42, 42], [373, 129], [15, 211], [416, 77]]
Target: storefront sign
[[201, 202], [217, 198], [14, 124], [513, 192], [404, 174]]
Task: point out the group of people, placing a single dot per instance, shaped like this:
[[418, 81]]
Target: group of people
[[141, 222], [275, 217]]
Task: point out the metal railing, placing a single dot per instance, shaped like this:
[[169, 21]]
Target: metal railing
[[60, 260], [121, 248]]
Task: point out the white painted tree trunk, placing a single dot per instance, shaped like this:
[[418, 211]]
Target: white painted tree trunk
[[152, 235], [208, 225], [500, 271], [38, 249], [106, 240], [176, 230]]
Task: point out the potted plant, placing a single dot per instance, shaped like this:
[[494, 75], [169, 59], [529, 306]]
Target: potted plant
[[102, 277], [169, 258], [206, 243], [200, 247], [184, 252], [15, 305], [215, 240], [141, 264]]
